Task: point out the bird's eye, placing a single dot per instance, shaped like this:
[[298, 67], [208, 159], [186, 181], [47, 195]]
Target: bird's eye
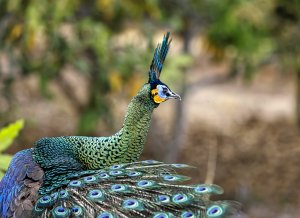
[[165, 90]]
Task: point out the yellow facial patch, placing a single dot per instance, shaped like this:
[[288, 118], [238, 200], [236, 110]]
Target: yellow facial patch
[[156, 98]]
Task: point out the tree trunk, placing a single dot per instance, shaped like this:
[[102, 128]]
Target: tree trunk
[[178, 132], [298, 97]]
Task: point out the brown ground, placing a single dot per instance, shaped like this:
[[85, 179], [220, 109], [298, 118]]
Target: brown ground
[[257, 164]]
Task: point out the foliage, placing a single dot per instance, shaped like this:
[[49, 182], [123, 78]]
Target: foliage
[[238, 32], [45, 37], [7, 136]]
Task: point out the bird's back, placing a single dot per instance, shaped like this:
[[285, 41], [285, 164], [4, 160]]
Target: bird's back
[[19, 187]]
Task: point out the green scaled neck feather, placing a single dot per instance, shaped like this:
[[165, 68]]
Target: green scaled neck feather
[[126, 145], [64, 158]]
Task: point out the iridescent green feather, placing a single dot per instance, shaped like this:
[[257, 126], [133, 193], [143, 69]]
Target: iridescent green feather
[[146, 194]]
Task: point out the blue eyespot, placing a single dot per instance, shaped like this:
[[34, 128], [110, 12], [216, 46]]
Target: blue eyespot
[[60, 212], [169, 177], [106, 215], [75, 183], [95, 195], [187, 214], [104, 175], [89, 179], [132, 204], [77, 210], [163, 199], [118, 188], [143, 183], [146, 184], [175, 178], [180, 198], [162, 215], [116, 172], [201, 189], [46, 198], [44, 201], [208, 189], [214, 211], [134, 173], [61, 209], [63, 194], [115, 167]]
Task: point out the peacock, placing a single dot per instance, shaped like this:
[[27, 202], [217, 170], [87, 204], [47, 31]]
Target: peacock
[[78, 176]]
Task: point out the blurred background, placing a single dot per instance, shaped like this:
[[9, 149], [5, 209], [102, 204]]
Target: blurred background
[[70, 67]]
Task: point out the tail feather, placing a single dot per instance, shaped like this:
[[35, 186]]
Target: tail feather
[[140, 189]]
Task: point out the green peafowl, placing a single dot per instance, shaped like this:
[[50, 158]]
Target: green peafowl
[[76, 176]]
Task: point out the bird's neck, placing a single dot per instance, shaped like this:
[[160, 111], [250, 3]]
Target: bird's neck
[[67, 156], [99, 152], [126, 145], [136, 125]]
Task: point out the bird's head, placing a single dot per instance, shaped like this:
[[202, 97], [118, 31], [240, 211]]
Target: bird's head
[[160, 92]]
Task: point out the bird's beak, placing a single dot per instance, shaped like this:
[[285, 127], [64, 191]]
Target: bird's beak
[[174, 95]]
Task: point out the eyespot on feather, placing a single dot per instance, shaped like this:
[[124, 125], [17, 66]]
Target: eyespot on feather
[[119, 188], [181, 198], [75, 184], [163, 215], [60, 212], [77, 211], [132, 204], [163, 199], [90, 179], [95, 195], [147, 184], [134, 173], [187, 214], [208, 189], [106, 215], [214, 211], [44, 201]]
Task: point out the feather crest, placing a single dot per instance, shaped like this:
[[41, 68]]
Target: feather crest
[[159, 57]]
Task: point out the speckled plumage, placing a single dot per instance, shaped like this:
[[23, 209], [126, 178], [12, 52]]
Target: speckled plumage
[[76, 154], [78, 176]]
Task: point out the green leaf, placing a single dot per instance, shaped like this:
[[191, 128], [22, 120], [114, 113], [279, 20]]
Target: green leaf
[[9, 133], [4, 161]]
